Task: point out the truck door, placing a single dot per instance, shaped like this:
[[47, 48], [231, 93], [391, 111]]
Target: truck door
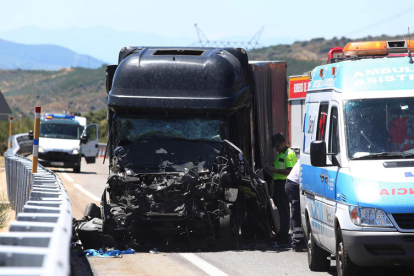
[[90, 149], [329, 175]]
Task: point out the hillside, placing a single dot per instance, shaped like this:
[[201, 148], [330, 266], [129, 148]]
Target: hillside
[[42, 57], [83, 90], [302, 56], [71, 89]]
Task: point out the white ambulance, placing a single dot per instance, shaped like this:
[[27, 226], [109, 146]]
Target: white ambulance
[[357, 159]]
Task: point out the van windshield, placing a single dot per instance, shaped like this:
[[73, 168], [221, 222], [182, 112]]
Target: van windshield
[[60, 130], [380, 128]]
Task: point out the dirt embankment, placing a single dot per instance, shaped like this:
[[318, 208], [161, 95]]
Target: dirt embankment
[[3, 197]]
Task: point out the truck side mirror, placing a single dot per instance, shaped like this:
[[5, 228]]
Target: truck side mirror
[[30, 135], [318, 153], [84, 139], [224, 131]]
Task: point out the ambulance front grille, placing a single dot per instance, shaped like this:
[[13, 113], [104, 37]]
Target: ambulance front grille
[[404, 221], [398, 164]]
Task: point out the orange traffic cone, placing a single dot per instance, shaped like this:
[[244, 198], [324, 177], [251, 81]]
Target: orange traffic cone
[[103, 152], [100, 153]]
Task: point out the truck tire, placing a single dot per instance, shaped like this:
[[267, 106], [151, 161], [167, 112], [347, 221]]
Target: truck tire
[[344, 265], [317, 257], [227, 237], [76, 169], [92, 211]]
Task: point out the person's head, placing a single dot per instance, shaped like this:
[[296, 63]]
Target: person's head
[[278, 142]]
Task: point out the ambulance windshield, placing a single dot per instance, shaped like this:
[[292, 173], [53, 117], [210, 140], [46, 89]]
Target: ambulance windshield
[[380, 128]]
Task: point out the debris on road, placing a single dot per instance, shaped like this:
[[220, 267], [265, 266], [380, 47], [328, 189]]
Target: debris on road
[[106, 254]]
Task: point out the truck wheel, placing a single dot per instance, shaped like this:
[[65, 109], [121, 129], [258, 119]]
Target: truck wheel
[[76, 169], [344, 265], [92, 211], [317, 257], [227, 237]]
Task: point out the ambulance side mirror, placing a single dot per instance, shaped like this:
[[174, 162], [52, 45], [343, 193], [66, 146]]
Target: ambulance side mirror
[[318, 153]]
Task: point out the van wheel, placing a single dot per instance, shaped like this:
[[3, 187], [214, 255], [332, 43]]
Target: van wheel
[[344, 265], [317, 257], [76, 169]]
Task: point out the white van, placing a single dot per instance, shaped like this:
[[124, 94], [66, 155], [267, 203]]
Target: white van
[[64, 139], [357, 159]]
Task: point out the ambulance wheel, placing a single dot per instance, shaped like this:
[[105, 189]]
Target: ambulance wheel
[[76, 169], [344, 265], [317, 257]]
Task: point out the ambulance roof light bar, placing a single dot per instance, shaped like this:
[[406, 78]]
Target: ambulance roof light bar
[[58, 116], [378, 48]]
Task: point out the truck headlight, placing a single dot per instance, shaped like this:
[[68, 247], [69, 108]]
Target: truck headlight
[[363, 216], [75, 151], [40, 149]]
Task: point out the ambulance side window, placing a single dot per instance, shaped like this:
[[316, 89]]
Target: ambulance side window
[[322, 119], [333, 143]]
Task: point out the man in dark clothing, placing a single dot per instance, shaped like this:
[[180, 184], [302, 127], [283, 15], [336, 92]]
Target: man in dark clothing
[[285, 160], [292, 191]]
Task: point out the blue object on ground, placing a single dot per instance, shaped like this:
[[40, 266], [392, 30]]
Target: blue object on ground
[[106, 254]]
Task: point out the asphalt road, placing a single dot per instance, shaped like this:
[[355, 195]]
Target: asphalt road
[[87, 186]]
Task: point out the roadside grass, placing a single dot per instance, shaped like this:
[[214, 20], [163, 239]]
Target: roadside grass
[[4, 210]]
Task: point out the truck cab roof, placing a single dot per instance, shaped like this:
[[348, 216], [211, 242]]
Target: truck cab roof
[[179, 78]]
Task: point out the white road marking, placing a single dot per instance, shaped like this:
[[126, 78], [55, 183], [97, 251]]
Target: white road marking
[[65, 175], [86, 192], [205, 266]]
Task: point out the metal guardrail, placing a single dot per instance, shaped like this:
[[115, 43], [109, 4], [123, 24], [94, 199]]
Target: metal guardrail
[[39, 240]]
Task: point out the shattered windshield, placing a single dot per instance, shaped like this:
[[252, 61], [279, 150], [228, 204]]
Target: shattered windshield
[[380, 128], [166, 144], [60, 130], [160, 129]]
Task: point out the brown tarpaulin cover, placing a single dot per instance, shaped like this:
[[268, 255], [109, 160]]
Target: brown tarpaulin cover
[[270, 107]]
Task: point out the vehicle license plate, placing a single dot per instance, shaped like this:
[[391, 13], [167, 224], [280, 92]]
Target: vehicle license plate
[[56, 163]]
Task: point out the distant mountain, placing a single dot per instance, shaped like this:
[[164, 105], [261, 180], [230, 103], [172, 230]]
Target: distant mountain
[[99, 41], [42, 57], [104, 42]]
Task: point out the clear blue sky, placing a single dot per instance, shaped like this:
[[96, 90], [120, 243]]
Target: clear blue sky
[[217, 19], [171, 22]]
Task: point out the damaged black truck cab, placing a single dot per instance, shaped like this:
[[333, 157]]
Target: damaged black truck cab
[[179, 149]]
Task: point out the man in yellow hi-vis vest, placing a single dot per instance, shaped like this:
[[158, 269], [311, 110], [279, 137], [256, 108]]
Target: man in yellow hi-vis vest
[[285, 160]]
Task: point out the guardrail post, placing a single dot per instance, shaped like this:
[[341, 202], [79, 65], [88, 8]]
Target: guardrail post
[[21, 122], [11, 132], [36, 139]]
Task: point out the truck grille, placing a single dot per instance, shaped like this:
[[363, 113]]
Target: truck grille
[[58, 156], [399, 164], [58, 153], [404, 221]]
